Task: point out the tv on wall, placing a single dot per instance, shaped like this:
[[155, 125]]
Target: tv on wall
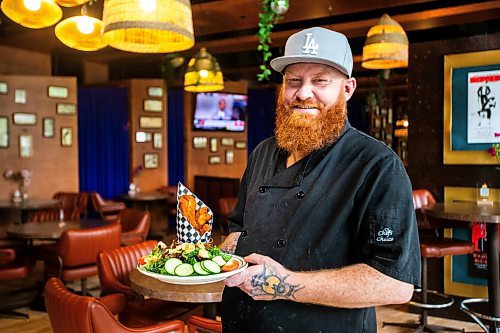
[[220, 112]]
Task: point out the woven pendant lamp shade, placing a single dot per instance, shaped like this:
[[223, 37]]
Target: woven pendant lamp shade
[[386, 45], [148, 26], [203, 73], [69, 32], [43, 13], [71, 3]]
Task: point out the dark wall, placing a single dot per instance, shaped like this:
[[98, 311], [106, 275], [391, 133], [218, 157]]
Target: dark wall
[[425, 137]]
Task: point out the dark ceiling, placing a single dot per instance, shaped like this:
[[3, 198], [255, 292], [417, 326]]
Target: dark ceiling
[[227, 28]]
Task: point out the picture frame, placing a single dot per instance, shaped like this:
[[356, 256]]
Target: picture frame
[[229, 156], [151, 160], [48, 127], [200, 142], [228, 142], [153, 105], [141, 137], [157, 140], [66, 136], [214, 159], [150, 122], [155, 91], [4, 132], [57, 92], [4, 88], [24, 118], [20, 96], [66, 109], [461, 73], [25, 145], [214, 145], [240, 145]]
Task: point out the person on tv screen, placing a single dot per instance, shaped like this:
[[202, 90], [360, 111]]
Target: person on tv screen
[[223, 112], [325, 212]]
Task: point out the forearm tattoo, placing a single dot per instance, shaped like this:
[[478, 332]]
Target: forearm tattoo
[[229, 245], [270, 282]]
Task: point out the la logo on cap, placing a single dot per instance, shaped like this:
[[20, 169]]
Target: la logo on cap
[[310, 46]]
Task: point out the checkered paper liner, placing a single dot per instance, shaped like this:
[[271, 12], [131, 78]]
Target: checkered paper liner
[[186, 233]]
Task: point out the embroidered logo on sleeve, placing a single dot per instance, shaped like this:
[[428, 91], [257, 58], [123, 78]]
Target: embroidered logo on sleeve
[[385, 235]]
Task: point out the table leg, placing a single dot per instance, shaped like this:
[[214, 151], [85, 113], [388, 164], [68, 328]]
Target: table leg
[[493, 276], [210, 310]]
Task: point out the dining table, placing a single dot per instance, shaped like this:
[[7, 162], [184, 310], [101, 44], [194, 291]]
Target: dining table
[[25, 207], [471, 212]]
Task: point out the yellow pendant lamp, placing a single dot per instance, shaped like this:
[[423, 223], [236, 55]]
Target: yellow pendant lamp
[[148, 26], [71, 3], [81, 32], [33, 14], [203, 73], [386, 45]]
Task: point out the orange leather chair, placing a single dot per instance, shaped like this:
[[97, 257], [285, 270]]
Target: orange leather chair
[[226, 206], [107, 209], [197, 324], [135, 225], [74, 257], [69, 312], [73, 204], [114, 268]]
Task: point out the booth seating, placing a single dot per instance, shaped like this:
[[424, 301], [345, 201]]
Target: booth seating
[[69, 312], [197, 324], [226, 206], [135, 225], [107, 209]]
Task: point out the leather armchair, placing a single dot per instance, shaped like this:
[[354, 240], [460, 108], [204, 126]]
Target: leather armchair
[[73, 204], [74, 257], [114, 268], [69, 312], [197, 324], [135, 225], [107, 209], [226, 206]]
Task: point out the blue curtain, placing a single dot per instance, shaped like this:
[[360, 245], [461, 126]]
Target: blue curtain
[[175, 135], [261, 114], [103, 135]]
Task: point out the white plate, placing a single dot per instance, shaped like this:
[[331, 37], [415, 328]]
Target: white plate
[[198, 279]]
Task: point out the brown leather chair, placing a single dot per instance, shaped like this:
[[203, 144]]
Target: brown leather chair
[[69, 312], [45, 215], [114, 268], [73, 204], [226, 206], [197, 324], [74, 257], [135, 225], [107, 209]]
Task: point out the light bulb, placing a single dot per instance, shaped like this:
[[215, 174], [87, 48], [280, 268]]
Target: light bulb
[[85, 25], [405, 123], [33, 5], [147, 5], [203, 73]]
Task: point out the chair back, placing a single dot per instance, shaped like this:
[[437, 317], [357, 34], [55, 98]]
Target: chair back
[[74, 204], [107, 209], [13, 266], [197, 324], [226, 206], [45, 215], [135, 225]]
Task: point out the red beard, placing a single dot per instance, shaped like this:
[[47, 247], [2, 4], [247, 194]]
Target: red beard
[[304, 133]]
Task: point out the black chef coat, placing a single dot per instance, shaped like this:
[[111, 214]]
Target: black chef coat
[[348, 203]]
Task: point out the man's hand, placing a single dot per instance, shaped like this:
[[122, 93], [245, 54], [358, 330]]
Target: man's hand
[[265, 280]]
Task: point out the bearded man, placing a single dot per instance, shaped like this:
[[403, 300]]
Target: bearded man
[[325, 213]]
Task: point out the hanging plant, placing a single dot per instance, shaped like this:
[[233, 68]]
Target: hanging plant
[[271, 13]]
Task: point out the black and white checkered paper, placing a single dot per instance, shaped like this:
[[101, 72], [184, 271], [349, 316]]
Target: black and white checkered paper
[[186, 233]]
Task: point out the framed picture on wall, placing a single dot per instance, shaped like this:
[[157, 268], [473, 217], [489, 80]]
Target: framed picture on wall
[[229, 156], [4, 132], [66, 109], [48, 127], [155, 91], [66, 136], [57, 92], [200, 142], [21, 118], [4, 88], [142, 137], [240, 145], [151, 161], [25, 145], [153, 105], [214, 145], [20, 96], [150, 122], [214, 159], [157, 140], [227, 142]]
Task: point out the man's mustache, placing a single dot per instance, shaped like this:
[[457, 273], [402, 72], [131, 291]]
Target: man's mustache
[[306, 105]]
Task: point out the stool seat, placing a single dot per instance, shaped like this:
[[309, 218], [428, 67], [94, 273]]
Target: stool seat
[[438, 248]]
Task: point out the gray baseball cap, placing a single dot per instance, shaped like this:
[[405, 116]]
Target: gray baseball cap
[[316, 45]]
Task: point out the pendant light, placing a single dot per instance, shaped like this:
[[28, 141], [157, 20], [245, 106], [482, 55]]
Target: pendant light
[[71, 3], [33, 14], [203, 73], [386, 45], [81, 32], [148, 26]]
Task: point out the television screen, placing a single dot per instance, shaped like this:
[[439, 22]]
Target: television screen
[[220, 112]]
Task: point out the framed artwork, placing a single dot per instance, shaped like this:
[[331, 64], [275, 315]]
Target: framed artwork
[[214, 145], [21, 118], [229, 156], [66, 136], [25, 145], [57, 92], [141, 137], [66, 109], [150, 122], [157, 140], [20, 96], [4, 88], [155, 91], [4, 132], [200, 142], [214, 159], [153, 105], [240, 145], [48, 127], [151, 161], [227, 142], [471, 109]]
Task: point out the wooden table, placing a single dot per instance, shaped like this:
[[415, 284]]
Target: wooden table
[[468, 212], [49, 229], [28, 205], [209, 294]]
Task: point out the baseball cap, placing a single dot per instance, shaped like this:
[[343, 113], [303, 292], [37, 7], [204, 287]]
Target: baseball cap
[[316, 45]]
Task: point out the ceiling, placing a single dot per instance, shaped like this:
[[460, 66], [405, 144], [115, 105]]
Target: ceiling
[[227, 28]]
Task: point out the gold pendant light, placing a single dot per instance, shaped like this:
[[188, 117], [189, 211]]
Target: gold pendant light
[[33, 14], [386, 45], [81, 32], [71, 3], [203, 73], [148, 26]]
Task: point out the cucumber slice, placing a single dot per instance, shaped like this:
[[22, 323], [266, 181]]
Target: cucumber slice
[[184, 270], [210, 266], [219, 260], [198, 269], [171, 264]]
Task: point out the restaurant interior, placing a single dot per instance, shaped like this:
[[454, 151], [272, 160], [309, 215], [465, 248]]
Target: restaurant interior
[[103, 128]]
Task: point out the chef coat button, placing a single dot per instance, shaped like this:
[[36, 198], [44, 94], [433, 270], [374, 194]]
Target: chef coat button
[[262, 189], [300, 195], [244, 233], [280, 242]]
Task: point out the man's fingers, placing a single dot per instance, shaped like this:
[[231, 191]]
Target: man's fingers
[[255, 258], [235, 280]]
